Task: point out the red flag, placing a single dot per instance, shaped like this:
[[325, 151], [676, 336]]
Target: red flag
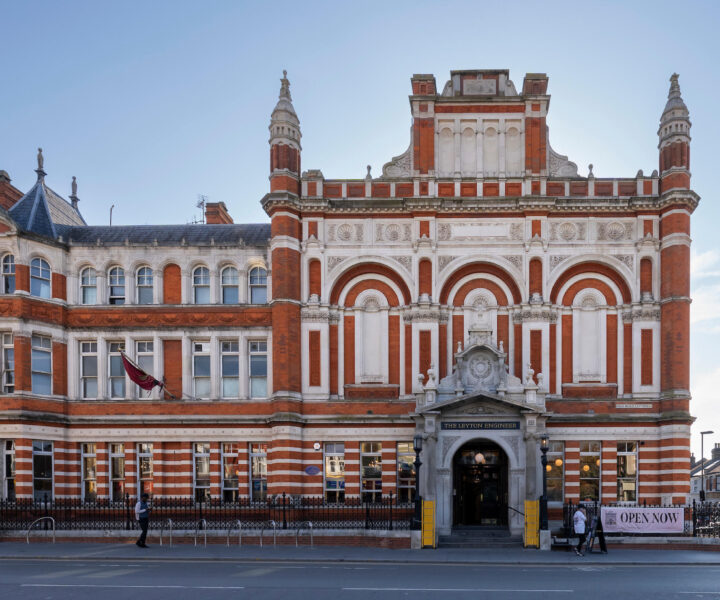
[[137, 375]]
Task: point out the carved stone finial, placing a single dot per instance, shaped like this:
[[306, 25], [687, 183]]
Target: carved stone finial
[[459, 348], [284, 74], [73, 186], [540, 380], [590, 173], [502, 349], [530, 372], [285, 87], [40, 159], [368, 176]]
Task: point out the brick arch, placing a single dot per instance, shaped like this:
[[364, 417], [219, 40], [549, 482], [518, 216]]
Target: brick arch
[[475, 284], [590, 282], [371, 284], [480, 268], [592, 268], [369, 269]]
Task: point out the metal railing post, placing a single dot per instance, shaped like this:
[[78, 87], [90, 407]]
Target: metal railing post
[[284, 512], [239, 528], [202, 522], [168, 522]]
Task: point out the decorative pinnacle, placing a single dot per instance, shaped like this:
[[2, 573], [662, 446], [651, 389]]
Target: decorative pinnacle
[[73, 186], [40, 162], [285, 87]]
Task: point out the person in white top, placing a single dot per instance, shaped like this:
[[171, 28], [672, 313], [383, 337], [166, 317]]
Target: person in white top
[[579, 521]]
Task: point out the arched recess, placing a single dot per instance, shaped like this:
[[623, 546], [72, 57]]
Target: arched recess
[[364, 339], [590, 267], [535, 279], [425, 277], [646, 277], [369, 268], [480, 268], [172, 284], [315, 278]]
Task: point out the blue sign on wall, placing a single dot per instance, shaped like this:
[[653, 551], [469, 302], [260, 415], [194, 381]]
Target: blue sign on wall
[[312, 470]]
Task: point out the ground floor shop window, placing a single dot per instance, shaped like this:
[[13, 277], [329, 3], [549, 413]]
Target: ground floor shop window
[[89, 473], [117, 472], [627, 471], [555, 471], [334, 472], [371, 471], [589, 471], [145, 469], [405, 472], [230, 472], [201, 472], [258, 471], [10, 471], [42, 471]]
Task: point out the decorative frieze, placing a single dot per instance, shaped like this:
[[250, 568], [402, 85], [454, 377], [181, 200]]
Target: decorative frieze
[[568, 231], [534, 314], [315, 315], [470, 231], [641, 314], [425, 316], [393, 232], [405, 261], [346, 233], [614, 231]]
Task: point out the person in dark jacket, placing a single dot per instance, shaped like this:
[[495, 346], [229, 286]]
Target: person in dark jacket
[[142, 516]]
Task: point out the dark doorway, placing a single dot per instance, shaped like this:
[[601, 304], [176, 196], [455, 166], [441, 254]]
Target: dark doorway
[[480, 476]]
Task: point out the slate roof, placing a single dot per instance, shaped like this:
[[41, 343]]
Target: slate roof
[[168, 235], [710, 465], [41, 209]]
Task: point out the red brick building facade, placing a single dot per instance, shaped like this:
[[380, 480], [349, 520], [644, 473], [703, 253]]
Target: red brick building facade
[[479, 291]]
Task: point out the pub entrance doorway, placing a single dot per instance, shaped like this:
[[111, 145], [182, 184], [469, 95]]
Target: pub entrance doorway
[[480, 485]]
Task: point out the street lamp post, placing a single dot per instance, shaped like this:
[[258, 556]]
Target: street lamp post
[[702, 458], [543, 498], [417, 518]]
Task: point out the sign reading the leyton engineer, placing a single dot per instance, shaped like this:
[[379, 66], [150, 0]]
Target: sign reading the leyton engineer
[[627, 519], [485, 425]]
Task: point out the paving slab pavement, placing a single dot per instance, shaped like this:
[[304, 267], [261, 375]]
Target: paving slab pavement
[[46, 550]]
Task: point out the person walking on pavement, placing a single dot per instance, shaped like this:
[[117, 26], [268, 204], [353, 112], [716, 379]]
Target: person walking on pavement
[[579, 521], [142, 516]]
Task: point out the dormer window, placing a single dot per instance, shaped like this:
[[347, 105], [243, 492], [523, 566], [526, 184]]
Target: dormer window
[[8, 274], [39, 278], [116, 285]]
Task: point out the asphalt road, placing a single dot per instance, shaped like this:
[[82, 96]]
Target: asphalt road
[[180, 580]]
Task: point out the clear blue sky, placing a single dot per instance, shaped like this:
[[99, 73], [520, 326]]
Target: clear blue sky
[[151, 103]]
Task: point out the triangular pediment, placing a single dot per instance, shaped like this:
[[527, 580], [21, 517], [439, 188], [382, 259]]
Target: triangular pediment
[[481, 404]]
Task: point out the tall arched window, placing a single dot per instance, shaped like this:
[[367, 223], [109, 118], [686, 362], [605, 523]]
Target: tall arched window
[[116, 285], [39, 278], [144, 285], [258, 285], [8, 274], [88, 286], [229, 282], [589, 341], [201, 285]]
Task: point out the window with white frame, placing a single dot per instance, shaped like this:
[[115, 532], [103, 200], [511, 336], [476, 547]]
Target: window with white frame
[[334, 472], [116, 285], [627, 471], [145, 468], [41, 364], [8, 274], [201, 285], [201, 369], [258, 471], [201, 461], [88, 369], [145, 359], [229, 281], [144, 285], [230, 365], [589, 471], [42, 471], [89, 473], [230, 472], [39, 278], [116, 370], [257, 280], [9, 487], [88, 286], [258, 368], [555, 471], [117, 472], [371, 471], [8, 363], [405, 472]]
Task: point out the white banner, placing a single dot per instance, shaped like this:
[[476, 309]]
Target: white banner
[[628, 519]]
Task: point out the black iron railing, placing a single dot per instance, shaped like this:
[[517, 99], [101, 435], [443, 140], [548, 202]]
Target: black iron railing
[[287, 511]]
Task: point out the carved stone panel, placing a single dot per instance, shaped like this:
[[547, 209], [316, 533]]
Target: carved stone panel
[[615, 231], [567, 231]]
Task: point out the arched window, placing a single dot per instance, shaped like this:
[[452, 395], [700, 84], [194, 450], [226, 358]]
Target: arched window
[[116, 285], [258, 285], [8, 274], [144, 285], [39, 278], [201, 285], [229, 282], [88, 286]]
